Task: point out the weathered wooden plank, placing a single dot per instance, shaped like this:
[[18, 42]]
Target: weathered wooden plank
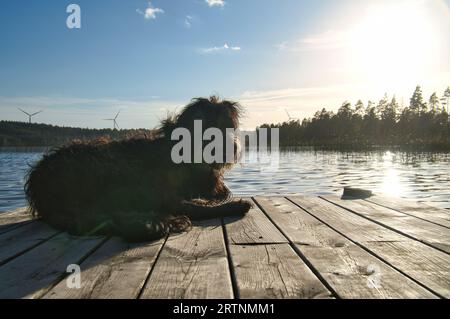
[[274, 271], [33, 273], [21, 239], [435, 235], [433, 214], [14, 219], [425, 265], [346, 267], [253, 228], [192, 265], [117, 270]]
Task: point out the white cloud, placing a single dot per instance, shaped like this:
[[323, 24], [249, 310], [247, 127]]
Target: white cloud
[[188, 21], [215, 3], [223, 48], [325, 41], [296, 95], [150, 12]]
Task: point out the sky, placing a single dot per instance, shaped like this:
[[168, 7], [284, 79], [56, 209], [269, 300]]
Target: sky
[[150, 58]]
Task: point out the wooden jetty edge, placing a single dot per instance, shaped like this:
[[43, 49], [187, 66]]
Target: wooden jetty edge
[[285, 247]]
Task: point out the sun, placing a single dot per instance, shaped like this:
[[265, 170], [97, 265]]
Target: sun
[[396, 42]]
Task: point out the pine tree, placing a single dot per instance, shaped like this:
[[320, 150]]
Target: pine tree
[[417, 105], [345, 111], [434, 102], [390, 112], [359, 108], [382, 105], [370, 109], [445, 99]]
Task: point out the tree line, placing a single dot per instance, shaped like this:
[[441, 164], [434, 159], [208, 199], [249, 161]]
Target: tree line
[[386, 123], [25, 134]]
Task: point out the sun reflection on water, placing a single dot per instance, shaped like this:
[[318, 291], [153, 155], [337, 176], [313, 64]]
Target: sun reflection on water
[[391, 184]]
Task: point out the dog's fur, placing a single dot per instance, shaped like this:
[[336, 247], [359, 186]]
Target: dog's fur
[[132, 188]]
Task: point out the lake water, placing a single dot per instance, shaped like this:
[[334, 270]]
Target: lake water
[[420, 176]]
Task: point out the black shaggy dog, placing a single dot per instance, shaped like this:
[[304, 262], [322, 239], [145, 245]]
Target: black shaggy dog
[[132, 188]]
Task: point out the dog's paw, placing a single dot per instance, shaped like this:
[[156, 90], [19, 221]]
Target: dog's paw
[[241, 207], [246, 204]]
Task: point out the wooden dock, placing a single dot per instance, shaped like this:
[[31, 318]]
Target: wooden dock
[[286, 247]]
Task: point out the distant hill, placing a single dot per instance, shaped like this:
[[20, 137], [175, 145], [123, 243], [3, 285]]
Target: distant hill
[[26, 134]]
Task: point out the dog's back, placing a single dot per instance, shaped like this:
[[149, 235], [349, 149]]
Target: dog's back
[[80, 186], [132, 187]]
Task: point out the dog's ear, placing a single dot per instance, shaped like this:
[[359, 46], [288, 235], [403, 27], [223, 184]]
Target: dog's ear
[[212, 111], [198, 109], [234, 111]]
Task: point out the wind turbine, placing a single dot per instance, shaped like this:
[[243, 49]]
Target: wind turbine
[[29, 115], [115, 126], [291, 118]]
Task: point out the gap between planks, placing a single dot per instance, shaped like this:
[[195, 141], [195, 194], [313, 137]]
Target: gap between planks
[[32, 274], [419, 210], [427, 267], [257, 232], [104, 270], [431, 234], [342, 264], [20, 240], [14, 219], [332, 292]]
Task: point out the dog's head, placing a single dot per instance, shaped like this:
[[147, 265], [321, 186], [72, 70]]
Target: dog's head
[[215, 115]]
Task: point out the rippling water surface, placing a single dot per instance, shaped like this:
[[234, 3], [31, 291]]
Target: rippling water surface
[[420, 176], [14, 165]]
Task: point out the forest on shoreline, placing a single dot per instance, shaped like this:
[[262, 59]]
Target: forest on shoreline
[[16, 134], [421, 125]]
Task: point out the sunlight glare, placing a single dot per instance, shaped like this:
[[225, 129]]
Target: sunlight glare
[[391, 184], [391, 181], [395, 43]]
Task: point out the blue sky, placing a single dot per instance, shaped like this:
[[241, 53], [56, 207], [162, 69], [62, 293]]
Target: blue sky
[[147, 58]]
